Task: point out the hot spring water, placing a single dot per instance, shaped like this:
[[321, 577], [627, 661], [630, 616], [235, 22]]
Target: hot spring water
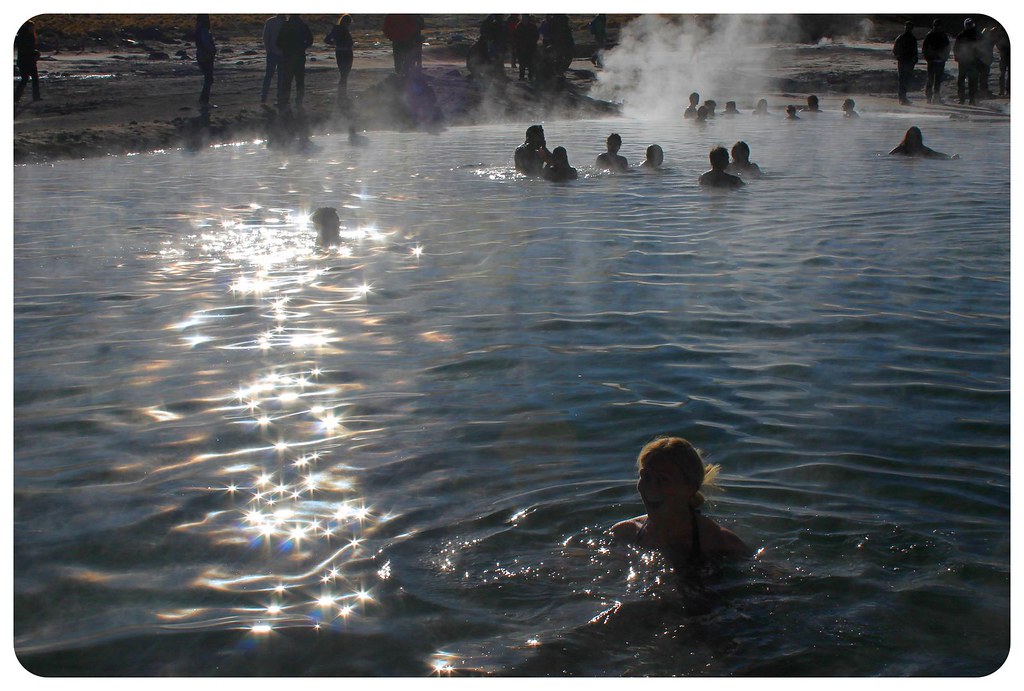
[[236, 454]]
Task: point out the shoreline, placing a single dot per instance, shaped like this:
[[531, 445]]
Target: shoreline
[[104, 102]]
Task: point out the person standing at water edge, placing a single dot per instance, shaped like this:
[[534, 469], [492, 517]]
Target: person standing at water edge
[[717, 177], [965, 51], [294, 39], [611, 160], [1003, 46], [525, 40], [341, 38], [905, 50], [28, 58], [271, 30], [671, 475], [935, 49], [205, 51], [532, 154]]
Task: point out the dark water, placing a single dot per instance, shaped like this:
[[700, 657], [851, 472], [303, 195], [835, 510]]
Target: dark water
[[237, 455]]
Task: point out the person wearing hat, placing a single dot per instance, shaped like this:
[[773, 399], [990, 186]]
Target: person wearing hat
[[935, 48], [965, 50], [905, 50]]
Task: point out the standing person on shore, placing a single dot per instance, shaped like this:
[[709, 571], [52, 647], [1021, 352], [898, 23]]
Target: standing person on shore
[[935, 49], [205, 51], [526, 37], [1003, 46], [511, 24], [341, 38], [905, 50], [28, 57], [271, 30], [986, 44], [403, 30], [294, 39], [965, 50]]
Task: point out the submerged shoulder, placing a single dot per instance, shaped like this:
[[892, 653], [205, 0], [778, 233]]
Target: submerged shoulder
[[627, 531], [722, 540]]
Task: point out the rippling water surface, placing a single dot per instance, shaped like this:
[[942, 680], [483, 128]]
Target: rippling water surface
[[237, 454]]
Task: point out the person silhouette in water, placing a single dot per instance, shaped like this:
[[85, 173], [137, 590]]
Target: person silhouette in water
[[558, 169], [913, 145], [532, 154], [655, 157], [717, 177], [327, 225], [691, 110], [741, 164], [611, 160], [671, 475]]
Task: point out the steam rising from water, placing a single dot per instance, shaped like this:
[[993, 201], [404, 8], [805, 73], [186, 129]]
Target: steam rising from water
[[660, 60]]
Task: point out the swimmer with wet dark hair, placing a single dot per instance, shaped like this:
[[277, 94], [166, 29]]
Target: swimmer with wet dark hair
[[913, 145], [611, 160], [702, 114], [671, 477], [812, 105], [717, 177], [327, 225], [730, 108], [558, 168], [532, 154], [655, 157], [791, 113], [741, 164], [761, 108], [710, 105], [691, 110], [848, 111]]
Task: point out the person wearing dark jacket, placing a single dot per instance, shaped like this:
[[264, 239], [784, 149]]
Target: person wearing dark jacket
[[341, 38], [526, 36], [294, 39], [1003, 47], [935, 49], [905, 50], [28, 57], [205, 51], [965, 50]]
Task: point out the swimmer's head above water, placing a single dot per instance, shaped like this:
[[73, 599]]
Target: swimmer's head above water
[[671, 475], [327, 225], [655, 157]]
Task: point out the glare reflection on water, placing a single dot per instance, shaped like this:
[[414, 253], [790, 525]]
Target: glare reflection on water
[[417, 438]]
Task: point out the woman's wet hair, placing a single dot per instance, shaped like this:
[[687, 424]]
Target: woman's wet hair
[[655, 154], [742, 149], [686, 458]]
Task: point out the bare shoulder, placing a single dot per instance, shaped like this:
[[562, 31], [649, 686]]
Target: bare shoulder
[[626, 531], [722, 540]]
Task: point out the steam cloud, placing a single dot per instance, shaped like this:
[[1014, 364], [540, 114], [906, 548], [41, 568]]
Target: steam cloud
[[660, 60]]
